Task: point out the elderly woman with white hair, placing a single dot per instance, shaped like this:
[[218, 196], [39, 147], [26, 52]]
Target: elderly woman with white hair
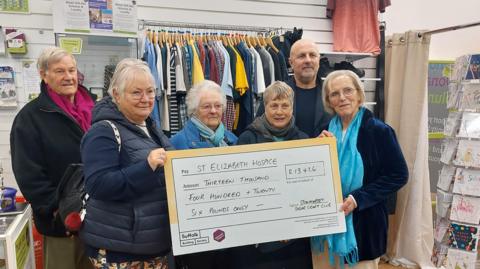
[[206, 103], [372, 167], [126, 224]]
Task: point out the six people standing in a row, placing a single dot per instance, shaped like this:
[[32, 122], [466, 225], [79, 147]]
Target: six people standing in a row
[[126, 225]]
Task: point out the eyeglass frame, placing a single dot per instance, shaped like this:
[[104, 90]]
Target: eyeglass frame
[[138, 94], [347, 92], [208, 107]]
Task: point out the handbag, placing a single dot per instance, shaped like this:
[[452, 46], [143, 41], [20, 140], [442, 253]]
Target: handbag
[[71, 194]]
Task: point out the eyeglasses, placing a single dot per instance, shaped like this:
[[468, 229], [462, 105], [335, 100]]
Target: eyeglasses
[[347, 92], [208, 107], [138, 95]]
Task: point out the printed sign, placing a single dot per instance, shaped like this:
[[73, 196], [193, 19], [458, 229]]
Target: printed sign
[[96, 17]]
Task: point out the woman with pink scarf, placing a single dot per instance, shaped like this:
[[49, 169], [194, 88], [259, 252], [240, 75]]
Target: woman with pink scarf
[[44, 141]]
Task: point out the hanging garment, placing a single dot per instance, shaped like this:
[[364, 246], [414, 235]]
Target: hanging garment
[[172, 98], [355, 24], [267, 64], [159, 64], [185, 68], [227, 81], [202, 54], [197, 73], [276, 63], [214, 69], [260, 81]]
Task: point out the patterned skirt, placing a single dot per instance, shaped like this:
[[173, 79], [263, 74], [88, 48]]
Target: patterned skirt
[[101, 263]]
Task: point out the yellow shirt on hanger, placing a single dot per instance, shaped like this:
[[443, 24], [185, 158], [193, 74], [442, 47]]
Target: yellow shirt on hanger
[[241, 83], [197, 72]]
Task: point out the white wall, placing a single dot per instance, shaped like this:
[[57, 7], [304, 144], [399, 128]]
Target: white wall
[[404, 15], [38, 27]]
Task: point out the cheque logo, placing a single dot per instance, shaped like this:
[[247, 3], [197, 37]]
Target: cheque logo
[[218, 235]]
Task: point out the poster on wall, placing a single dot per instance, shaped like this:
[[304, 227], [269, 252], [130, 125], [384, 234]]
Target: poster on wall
[[14, 6], [8, 91], [31, 79], [96, 17], [438, 80], [71, 44], [100, 14]]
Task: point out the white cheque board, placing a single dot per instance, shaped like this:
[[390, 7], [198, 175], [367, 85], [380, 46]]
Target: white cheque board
[[241, 195]]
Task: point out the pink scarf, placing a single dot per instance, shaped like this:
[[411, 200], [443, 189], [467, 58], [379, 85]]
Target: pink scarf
[[80, 110]]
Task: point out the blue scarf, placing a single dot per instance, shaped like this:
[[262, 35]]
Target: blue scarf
[[216, 138], [351, 172]]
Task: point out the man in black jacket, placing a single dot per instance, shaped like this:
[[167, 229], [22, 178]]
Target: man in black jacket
[[44, 141], [310, 116]]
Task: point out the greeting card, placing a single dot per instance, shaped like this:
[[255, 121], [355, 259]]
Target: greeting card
[[460, 68], [449, 147], [470, 125], [451, 124], [463, 236], [467, 182], [444, 201], [445, 178], [439, 254], [473, 67], [459, 259], [468, 154], [470, 96], [465, 209], [441, 227], [454, 95]]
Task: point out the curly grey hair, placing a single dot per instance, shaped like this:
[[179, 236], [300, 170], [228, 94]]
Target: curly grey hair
[[193, 95]]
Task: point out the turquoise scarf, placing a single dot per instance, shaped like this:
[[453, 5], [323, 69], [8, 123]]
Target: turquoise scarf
[[351, 172], [216, 138]]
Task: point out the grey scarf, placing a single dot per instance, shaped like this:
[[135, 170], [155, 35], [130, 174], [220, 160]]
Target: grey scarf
[[262, 126]]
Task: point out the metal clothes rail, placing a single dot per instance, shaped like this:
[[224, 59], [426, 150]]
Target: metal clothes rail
[[201, 26], [450, 28]]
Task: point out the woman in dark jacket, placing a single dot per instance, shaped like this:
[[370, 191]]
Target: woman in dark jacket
[[44, 141], [372, 167], [126, 223], [276, 124]]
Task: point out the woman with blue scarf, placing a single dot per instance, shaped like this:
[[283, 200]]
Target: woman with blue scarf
[[372, 167], [206, 103]]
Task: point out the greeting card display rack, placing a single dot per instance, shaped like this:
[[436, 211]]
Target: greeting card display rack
[[457, 228]]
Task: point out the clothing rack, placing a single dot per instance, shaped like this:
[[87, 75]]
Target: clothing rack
[[201, 26], [450, 28]]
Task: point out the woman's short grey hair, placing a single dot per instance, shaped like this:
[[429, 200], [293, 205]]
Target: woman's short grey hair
[[327, 86], [52, 55], [125, 72], [193, 95], [276, 91]]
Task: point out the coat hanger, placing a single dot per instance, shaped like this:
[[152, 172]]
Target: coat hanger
[[155, 37], [269, 42], [148, 34]]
